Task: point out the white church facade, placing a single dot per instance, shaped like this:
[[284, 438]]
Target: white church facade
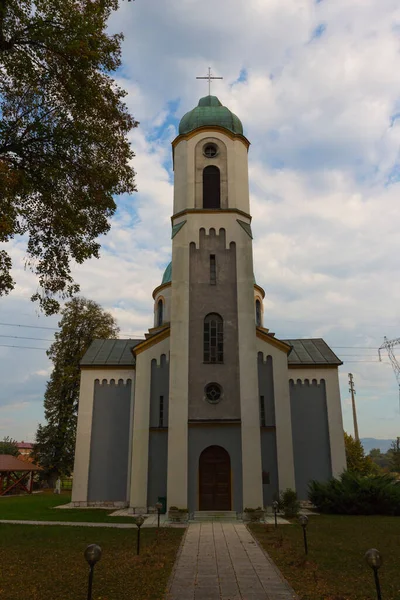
[[211, 411]]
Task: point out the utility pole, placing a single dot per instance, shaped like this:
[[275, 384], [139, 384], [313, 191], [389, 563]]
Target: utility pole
[[353, 402]]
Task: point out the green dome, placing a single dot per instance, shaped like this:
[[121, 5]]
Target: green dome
[[210, 112], [167, 274]]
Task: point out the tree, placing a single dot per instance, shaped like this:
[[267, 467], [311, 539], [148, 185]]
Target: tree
[[357, 462], [64, 150], [9, 446], [394, 454], [382, 460], [82, 321]]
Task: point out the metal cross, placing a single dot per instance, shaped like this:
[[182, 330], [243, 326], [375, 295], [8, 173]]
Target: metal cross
[[209, 77]]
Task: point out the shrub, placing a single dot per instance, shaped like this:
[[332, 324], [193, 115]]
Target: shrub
[[176, 509], [288, 503], [355, 494]]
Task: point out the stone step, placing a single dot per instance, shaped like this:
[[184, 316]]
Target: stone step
[[215, 515]]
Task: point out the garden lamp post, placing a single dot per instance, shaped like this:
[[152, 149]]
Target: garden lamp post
[[138, 522], [275, 505], [374, 560], [92, 555], [158, 507], [303, 520]]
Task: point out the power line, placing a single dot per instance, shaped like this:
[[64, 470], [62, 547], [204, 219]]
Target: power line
[[358, 347], [29, 326], [20, 337], [364, 361], [56, 329], [25, 347]]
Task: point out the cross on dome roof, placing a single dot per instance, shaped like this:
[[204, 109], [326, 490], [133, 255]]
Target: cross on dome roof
[[209, 77]]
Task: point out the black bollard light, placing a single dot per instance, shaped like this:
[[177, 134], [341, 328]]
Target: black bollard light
[[138, 522], [158, 507], [92, 555], [374, 560], [303, 520], [275, 506]]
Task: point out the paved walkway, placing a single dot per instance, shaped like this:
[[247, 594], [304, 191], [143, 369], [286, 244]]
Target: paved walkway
[[222, 561]]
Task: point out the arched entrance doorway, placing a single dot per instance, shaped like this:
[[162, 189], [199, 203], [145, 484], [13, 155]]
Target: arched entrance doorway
[[215, 479]]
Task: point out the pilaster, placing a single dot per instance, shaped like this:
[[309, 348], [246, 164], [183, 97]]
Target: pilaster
[[177, 482], [249, 396]]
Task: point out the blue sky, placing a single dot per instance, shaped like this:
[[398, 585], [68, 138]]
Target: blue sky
[[314, 84]]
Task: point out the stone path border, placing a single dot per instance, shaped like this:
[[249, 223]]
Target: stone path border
[[85, 524], [222, 561]]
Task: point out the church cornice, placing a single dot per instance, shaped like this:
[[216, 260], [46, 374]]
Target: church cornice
[[211, 211], [159, 288], [207, 128], [313, 366], [155, 339], [263, 335], [260, 289]]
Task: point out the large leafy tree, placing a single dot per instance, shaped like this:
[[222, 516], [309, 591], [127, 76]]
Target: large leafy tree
[[82, 321], [64, 151], [357, 462], [9, 446]]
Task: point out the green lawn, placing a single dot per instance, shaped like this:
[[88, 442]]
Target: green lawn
[[335, 568], [40, 507], [39, 562]]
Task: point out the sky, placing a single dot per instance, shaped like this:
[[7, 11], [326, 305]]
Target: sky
[[315, 85]]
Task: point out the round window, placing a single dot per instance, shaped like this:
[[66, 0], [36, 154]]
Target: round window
[[213, 393], [210, 150]]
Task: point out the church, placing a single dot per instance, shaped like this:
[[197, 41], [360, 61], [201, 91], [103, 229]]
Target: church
[[211, 411]]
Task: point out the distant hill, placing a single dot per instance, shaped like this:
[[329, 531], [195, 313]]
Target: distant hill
[[369, 443]]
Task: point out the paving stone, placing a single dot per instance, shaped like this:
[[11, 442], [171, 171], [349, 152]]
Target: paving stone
[[222, 561]]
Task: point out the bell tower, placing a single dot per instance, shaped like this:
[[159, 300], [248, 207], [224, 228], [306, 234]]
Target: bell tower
[[213, 372]]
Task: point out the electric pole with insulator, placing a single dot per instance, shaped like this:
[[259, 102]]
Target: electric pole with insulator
[[353, 403]]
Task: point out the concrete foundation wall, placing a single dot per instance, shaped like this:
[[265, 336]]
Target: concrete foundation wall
[[311, 444], [269, 457], [158, 462], [109, 447], [269, 466], [159, 387]]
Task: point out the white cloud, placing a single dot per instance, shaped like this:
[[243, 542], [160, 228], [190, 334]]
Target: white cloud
[[320, 114]]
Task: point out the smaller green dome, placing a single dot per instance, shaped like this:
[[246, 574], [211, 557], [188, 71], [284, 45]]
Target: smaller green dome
[[210, 112], [167, 274]]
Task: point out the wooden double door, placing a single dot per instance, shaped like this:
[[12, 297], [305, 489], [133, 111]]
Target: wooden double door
[[215, 479]]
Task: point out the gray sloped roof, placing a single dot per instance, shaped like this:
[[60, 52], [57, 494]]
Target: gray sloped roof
[[311, 352], [110, 352]]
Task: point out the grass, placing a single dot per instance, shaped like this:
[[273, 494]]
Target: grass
[[335, 568], [39, 562], [40, 507]]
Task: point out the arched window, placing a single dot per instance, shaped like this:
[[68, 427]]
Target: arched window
[[258, 313], [213, 339], [160, 313], [211, 187]]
